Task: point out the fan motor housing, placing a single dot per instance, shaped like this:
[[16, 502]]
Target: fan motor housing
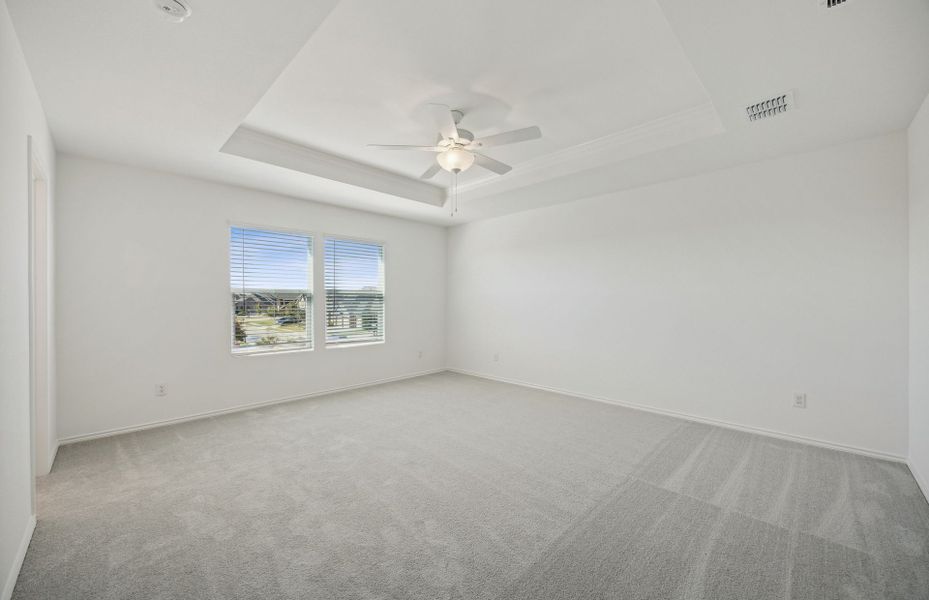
[[465, 136]]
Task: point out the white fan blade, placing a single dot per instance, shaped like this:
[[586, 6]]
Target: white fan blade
[[492, 164], [395, 147], [431, 171], [444, 121], [510, 137]]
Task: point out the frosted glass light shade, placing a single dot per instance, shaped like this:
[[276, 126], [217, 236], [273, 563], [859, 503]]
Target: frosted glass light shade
[[455, 160]]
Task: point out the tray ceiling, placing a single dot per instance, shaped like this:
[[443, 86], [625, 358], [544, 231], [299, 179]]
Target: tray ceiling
[[626, 93]]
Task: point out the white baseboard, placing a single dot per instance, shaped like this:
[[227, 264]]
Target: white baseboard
[[688, 417], [671, 413], [921, 481], [238, 408], [18, 560]]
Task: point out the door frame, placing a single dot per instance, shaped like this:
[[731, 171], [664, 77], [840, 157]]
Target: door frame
[[39, 366]]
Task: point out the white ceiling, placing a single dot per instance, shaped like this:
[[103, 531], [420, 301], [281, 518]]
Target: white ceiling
[[580, 70], [626, 93], [860, 70]]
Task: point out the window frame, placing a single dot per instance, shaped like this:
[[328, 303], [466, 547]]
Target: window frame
[[251, 352], [325, 322]]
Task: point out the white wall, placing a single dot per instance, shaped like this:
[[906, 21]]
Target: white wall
[[21, 115], [919, 296], [143, 298], [717, 296]]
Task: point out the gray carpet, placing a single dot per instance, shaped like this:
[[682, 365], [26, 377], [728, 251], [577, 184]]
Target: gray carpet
[[454, 487]]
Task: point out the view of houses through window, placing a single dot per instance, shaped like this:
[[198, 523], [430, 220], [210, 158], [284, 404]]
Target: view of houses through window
[[271, 278], [271, 281], [354, 291]]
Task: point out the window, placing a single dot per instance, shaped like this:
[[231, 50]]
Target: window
[[270, 276], [354, 292]]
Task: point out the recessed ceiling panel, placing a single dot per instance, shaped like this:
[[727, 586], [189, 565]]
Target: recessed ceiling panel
[[580, 70]]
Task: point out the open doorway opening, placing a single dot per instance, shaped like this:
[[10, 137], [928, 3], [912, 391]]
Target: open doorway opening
[[44, 437]]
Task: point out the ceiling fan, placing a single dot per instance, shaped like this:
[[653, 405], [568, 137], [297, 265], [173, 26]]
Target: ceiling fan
[[456, 149]]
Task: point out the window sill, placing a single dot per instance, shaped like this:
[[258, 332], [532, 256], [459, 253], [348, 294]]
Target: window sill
[[250, 353], [354, 344]]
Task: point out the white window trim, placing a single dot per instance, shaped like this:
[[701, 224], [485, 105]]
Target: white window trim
[[251, 352], [319, 282], [323, 321]]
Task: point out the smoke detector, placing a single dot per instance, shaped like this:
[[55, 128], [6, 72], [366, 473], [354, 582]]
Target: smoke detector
[[173, 10], [771, 107]]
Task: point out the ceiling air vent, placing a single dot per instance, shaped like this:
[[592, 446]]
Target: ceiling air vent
[[770, 108], [832, 3]]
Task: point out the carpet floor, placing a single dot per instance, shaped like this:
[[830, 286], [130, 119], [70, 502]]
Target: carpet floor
[[453, 487]]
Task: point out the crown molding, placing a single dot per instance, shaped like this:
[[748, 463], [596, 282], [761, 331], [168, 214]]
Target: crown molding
[[672, 130], [256, 145]]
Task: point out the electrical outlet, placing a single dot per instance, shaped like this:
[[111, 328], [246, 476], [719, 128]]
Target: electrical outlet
[[161, 389], [496, 357], [799, 400]]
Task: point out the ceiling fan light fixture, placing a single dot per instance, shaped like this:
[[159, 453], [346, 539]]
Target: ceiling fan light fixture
[[456, 148], [455, 160]]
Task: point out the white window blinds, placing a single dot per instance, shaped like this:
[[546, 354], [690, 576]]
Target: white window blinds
[[354, 291], [270, 276]]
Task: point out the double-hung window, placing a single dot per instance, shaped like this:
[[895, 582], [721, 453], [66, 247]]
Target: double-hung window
[[271, 281], [354, 274]]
